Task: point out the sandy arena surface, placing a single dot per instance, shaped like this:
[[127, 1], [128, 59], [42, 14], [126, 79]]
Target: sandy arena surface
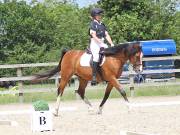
[[163, 120]]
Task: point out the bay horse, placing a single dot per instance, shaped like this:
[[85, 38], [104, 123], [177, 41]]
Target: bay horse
[[111, 70]]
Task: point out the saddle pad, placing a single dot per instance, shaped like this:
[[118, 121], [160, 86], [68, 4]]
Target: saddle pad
[[85, 60]]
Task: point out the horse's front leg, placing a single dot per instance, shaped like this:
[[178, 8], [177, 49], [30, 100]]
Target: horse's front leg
[[106, 95], [117, 85]]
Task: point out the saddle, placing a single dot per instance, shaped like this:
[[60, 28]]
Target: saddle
[[87, 58]]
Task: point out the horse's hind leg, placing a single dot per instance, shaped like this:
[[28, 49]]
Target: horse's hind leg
[[63, 83], [81, 91]]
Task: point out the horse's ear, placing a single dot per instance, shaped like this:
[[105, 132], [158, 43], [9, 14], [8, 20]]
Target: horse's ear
[[134, 51], [136, 48], [140, 48], [133, 48]]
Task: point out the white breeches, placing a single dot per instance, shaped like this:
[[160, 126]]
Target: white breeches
[[95, 48]]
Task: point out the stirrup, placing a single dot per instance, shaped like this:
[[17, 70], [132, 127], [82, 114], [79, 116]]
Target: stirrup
[[93, 82]]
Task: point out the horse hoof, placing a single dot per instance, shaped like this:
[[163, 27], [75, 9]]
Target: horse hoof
[[128, 105], [90, 110], [99, 112], [55, 113]]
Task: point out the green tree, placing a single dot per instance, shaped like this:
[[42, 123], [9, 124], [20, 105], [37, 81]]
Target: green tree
[[174, 30], [36, 32], [22, 25], [130, 20]]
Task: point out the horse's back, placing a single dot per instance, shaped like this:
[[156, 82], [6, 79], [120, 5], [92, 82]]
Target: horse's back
[[73, 54], [71, 58]]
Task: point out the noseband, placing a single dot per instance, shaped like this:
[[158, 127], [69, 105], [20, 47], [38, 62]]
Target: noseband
[[137, 63]]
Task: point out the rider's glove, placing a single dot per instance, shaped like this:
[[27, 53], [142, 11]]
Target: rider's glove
[[112, 45], [101, 50]]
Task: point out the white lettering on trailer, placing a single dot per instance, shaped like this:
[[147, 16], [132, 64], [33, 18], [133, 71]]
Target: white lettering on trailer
[[159, 49]]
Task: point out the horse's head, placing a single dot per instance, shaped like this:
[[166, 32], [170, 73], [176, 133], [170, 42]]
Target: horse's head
[[135, 56], [132, 51]]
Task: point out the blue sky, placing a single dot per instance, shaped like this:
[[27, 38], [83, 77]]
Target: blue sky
[[84, 3], [81, 3]]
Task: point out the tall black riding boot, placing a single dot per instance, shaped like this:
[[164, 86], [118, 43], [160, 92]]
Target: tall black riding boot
[[94, 72]]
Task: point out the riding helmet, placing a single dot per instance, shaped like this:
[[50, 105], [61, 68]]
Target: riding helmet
[[96, 11]]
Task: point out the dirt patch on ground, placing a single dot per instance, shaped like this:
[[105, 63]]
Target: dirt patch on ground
[[116, 117]]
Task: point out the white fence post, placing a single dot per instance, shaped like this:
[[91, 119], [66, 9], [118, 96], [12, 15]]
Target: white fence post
[[131, 76], [57, 82], [20, 85]]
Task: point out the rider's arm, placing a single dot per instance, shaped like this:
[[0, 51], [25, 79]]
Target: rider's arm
[[108, 38]]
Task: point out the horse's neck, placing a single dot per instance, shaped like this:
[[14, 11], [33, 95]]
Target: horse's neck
[[121, 56], [122, 59]]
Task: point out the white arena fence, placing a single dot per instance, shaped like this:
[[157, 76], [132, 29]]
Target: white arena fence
[[20, 78]]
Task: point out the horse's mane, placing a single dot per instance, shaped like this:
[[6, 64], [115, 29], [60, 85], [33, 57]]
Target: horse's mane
[[115, 49], [126, 48]]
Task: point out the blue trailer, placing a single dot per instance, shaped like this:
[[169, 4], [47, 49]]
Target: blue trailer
[[158, 48]]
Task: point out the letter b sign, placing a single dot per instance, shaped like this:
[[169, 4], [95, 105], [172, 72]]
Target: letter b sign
[[41, 121]]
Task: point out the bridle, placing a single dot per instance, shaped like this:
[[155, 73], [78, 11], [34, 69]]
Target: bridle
[[138, 63]]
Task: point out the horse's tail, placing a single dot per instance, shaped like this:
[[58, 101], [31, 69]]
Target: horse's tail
[[50, 73]]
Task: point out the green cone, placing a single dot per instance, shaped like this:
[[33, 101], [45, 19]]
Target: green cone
[[41, 105]]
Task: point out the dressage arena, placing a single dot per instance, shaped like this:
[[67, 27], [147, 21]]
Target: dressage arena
[[163, 118]]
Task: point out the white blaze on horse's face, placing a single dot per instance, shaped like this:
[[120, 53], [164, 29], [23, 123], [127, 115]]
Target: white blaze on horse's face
[[136, 60], [141, 64]]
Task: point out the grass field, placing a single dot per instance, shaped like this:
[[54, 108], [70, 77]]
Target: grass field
[[92, 93]]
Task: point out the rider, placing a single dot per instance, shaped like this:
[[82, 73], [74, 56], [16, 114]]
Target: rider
[[98, 33]]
